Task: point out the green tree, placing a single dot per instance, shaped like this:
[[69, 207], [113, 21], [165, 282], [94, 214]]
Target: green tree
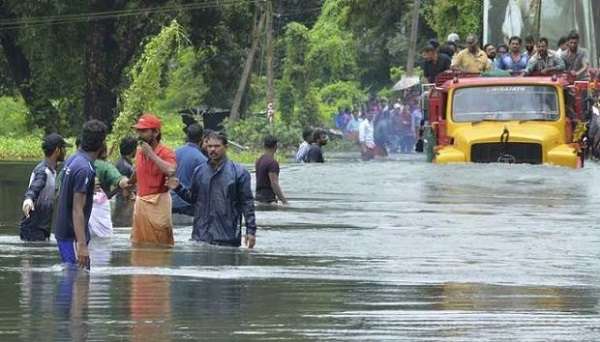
[[185, 86], [146, 75], [295, 83], [340, 95], [459, 16], [66, 58], [332, 53]]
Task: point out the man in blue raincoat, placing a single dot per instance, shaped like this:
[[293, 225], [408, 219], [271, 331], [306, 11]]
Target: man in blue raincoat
[[221, 192]]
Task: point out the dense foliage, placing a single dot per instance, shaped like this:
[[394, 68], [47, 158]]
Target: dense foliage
[[459, 16], [146, 76], [67, 61]]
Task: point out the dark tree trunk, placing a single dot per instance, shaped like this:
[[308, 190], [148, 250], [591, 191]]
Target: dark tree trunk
[[44, 115], [106, 59], [100, 99]]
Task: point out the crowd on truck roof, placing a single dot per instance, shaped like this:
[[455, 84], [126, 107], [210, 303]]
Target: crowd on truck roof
[[520, 57]]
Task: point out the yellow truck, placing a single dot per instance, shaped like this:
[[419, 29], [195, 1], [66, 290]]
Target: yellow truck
[[534, 120]]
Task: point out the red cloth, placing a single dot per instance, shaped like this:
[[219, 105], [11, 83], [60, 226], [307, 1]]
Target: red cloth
[[149, 178]]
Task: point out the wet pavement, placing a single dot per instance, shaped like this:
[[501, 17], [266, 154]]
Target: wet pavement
[[396, 250]]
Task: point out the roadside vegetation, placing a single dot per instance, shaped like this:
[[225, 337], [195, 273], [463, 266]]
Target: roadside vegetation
[[328, 54]]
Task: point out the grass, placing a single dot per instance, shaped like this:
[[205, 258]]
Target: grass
[[15, 145], [29, 148]]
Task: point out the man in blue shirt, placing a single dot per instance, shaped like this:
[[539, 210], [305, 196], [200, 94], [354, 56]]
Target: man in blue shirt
[[189, 157], [514, 60], [76, 196]]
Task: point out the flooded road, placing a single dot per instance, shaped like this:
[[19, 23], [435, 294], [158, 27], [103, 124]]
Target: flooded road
[[397, 250]]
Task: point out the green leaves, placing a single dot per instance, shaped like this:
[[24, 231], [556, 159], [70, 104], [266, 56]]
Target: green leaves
[[185, 85], [252, 130], [459, 16], [146, 75], [340, 95]]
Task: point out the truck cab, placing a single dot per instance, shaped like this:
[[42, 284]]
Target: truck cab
[[533, 120]]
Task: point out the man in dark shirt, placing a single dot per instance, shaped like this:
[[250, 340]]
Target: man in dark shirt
[[435, 63], [267, 175], [490, 51], [122, 211], [127, 149], [76, 197], [315, 155], [39, 198]]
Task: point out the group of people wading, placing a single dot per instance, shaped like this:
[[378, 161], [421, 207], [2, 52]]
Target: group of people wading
[[380, 127], [197, 180]]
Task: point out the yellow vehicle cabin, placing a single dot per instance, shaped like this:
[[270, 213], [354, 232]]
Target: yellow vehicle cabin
[[534, 120]]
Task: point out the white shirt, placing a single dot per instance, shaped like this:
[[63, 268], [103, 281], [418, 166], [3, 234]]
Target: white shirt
[[365, 133], [302, 152]]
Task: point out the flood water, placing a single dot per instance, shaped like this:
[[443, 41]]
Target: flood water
[[396, 250]]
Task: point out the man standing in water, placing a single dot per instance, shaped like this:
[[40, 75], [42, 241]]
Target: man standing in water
[[127, 149], [304, 146], [154, 163], [39, 198], [189, 156], [268, 190], [76, 196], [315, 154], [368, 149], [222, 193]]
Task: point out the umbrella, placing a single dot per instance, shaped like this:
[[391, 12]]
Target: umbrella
[[406, 82]]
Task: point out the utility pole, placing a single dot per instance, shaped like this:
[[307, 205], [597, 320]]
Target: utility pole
[[270, 70], [257, 28], [412, 43]]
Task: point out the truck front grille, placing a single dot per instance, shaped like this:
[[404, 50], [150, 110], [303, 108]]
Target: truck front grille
[[512, 152]]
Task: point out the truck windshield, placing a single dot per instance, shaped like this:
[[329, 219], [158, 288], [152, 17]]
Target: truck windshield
[[505, 103]]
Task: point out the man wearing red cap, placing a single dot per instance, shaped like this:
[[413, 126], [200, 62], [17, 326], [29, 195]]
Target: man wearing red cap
[[154, 163]]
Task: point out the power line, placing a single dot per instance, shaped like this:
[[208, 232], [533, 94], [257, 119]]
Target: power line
[[298, 12], [17, 23]]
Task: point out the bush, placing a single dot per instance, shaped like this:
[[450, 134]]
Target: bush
[[251, 131], [340, 95], [14, 116]]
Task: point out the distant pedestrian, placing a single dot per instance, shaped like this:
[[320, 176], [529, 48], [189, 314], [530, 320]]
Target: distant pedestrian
[[304, 146], [315, 154], [189, 157], [38, 203], [205, 135], [127, 149], [154, 164], [222, 193], [268, 190], [76, 197], [368, 149], [122, 211]]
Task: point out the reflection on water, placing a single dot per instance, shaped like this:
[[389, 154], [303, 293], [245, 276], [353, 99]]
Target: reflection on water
[[151, 295], [14, 178], [71, 306], [393, 250]]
